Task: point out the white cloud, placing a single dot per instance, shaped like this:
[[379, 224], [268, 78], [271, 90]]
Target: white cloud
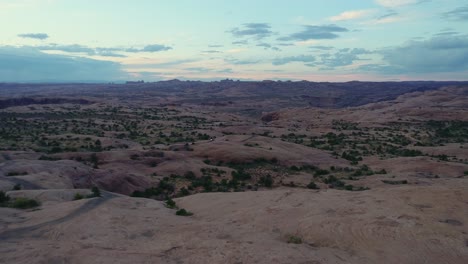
[[350, 15], [396, 3]]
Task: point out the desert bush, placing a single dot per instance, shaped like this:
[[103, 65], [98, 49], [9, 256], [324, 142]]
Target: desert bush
[[170, 204], [241, 175], [96, 192], [16, 173], [24, 203], [78, 196], [266, 181], [321, 173], [395, 182], [293, 239], [312, 185], [4, 198], [190, 175], [183, 212]]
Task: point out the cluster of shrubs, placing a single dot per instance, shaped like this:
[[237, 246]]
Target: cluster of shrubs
[[95, 192], [20, 202], [171, 204]]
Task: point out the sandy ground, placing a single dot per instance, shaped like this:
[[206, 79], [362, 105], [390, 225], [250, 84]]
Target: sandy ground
[[401, 224]]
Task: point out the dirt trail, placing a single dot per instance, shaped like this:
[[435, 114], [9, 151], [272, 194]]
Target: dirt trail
[[85, 208]]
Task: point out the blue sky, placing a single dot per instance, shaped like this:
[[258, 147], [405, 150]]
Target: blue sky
[[117, 40]]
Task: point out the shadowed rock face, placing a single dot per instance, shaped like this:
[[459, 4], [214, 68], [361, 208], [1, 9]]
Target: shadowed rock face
[[270, 117], [31, 101], [114, 182]]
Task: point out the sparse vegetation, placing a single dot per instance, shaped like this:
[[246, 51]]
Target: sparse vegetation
[[18, 203], [171, 204], [312, 185], [183, 212], [293, 239], [23, 203], [395, 182], [78, 196]]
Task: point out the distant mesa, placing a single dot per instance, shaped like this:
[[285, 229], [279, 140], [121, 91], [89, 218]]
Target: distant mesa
[[135, 82]]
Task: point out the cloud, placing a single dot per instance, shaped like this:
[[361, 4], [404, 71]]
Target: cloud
[[110, 54], [159, 65], [148, 48], [398, 3], [255, 30], [74, 48], [27, 64], [460, 14], [242, 62], [316, 32], [197, 69], [350, 15], [203, 69], [267, 46], [211, 51], [435, 55], [227, 70], [447, 33], [285, 60], [100, 51], [343, 57], [390, 14], [321, 47], [240, 42], [155, 48], [40, 36], [390, 17]]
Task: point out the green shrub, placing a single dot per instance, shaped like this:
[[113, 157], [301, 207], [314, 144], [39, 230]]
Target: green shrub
[[395, 182], [16, 173], [4, 198], [321, 172], [78, 196], [184, 192], [183, 212], [96, 192], [171, 204], [312, 185], [266, 181], [24, 203], [292, 239]]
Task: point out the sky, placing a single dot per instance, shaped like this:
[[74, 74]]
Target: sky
[[152, 40]]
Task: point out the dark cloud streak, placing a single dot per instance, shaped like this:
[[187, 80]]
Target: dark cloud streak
[[315, 32], [460, 13], [40, 36], [255, 30]]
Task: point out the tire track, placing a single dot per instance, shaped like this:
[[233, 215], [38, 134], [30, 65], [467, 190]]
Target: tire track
[[34, 231]]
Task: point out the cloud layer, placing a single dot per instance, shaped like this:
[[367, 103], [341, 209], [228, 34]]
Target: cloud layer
[[29, 65], [40, 36], [255, 30], [316, 32], [105, 52], [435, 55], [460, 13], [350, 15]]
